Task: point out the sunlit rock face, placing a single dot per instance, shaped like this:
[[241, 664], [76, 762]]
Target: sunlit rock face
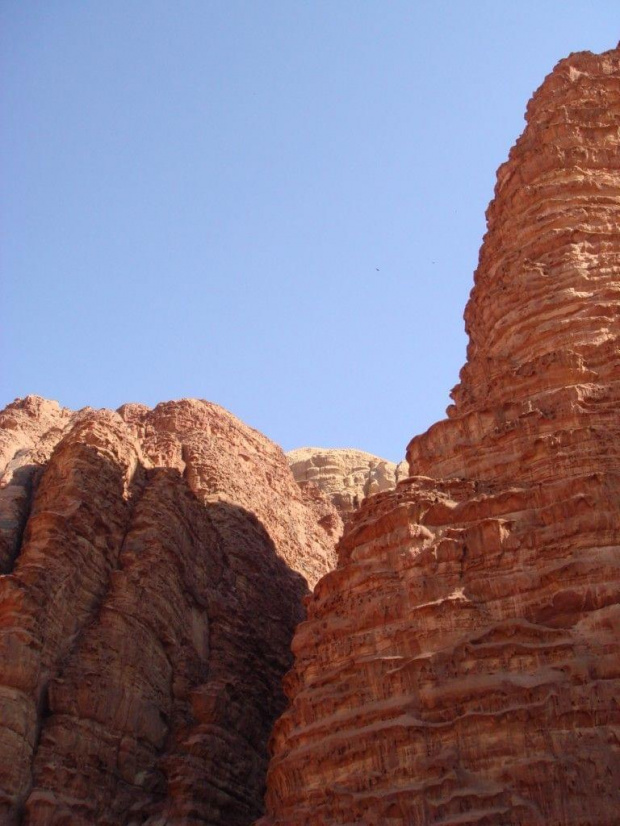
[[344, 475], [155, 564], [462, 663]]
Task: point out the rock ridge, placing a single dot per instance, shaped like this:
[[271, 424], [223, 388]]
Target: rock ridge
[[155, 566]]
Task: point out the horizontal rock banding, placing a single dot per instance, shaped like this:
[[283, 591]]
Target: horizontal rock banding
[[462, 663], [539, 393]]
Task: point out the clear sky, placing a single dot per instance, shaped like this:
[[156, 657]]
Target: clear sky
[[276, 205]]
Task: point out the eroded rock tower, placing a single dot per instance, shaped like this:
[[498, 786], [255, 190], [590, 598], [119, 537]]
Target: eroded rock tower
[[462, 663]]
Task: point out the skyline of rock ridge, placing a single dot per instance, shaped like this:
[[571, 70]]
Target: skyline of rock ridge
[[459, 662]]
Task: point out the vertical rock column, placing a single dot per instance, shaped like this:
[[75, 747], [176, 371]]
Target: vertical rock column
[[538, 395], [462, 663], [70, 546]]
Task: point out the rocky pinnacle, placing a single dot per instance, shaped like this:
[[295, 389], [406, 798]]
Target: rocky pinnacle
[[462, 663]]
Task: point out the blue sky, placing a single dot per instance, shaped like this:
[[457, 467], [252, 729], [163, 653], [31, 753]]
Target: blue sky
[[273, 205]]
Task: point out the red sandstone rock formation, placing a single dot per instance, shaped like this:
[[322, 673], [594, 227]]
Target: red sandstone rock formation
[[155, 563], [29, 431], [345, 476], [462, 664]]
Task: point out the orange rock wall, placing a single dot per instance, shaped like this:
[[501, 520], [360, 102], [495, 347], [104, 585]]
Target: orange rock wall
[[462, 663], [155, 568], [345, 476]]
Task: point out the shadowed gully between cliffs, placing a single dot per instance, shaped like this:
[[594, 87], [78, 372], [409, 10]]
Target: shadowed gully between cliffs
[[460, 658]]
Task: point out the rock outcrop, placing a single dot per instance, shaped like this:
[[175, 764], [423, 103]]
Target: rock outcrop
[[462, 663], [29, 431], [155, 564], [345, 476]]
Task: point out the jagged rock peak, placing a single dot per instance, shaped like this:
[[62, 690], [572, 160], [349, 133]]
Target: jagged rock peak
[[345, 475], [462, 663], [154, 566], [542, 317]]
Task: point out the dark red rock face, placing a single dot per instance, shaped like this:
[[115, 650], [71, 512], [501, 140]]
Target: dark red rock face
[[152, 585], [462, 663]]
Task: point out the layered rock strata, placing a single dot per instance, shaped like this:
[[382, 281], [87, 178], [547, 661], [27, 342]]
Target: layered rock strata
[[462, 663], [345, 476], [156, 566]]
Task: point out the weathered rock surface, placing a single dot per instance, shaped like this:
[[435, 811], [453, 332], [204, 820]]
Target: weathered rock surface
[[156, 566], [345, 476], [462, 663], [29, 431]]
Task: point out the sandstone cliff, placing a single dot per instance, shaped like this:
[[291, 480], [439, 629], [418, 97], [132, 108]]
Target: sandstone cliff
[[345, 476], [462, 664], [155, 563]]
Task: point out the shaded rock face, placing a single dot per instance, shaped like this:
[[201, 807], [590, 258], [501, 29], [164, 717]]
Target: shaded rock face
[[155, 563], [462, 663], [345, 476]]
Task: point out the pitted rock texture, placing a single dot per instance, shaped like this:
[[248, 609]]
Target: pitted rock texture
[[345, 476], [538, 396], [462, 663], [159, 565]]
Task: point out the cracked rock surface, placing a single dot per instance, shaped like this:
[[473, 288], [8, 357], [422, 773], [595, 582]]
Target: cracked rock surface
[[155, 564]]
